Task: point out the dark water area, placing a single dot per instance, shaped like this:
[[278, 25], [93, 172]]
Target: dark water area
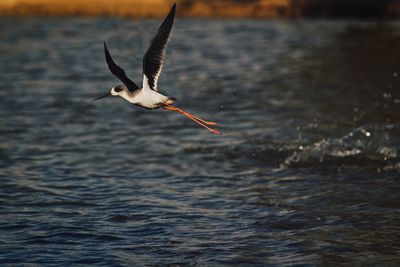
[[306, 173]]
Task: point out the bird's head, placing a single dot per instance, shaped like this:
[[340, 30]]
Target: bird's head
[[115, 91], [118, 90]]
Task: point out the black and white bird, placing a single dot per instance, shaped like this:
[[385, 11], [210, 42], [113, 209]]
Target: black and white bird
[[148, 96]]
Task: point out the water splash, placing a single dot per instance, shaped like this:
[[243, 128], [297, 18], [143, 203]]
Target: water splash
[[374, 142]]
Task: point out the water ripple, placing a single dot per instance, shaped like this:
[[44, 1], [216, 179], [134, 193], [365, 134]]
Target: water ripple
[[305, 174]]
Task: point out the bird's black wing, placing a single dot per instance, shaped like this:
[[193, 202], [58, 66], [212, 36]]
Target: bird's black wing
[[153, 59], [118, 71]]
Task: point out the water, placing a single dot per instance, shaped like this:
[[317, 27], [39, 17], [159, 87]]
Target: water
[[307, 172]]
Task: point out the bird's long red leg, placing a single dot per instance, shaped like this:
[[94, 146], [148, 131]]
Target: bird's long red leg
[[191, 115], [193, 118]]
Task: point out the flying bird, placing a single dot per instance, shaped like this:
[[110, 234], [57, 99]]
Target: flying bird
[[148, 96]]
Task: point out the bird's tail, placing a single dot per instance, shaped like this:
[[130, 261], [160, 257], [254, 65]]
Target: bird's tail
[[170, 100]]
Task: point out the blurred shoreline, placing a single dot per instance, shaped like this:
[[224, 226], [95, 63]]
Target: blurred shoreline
[[204, 8]]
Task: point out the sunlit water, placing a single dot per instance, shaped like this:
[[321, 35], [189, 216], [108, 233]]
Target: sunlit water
[[307, 171]]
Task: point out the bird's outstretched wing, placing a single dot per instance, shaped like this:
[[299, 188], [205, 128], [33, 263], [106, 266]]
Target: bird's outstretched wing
[[118, 71], [153, 59]]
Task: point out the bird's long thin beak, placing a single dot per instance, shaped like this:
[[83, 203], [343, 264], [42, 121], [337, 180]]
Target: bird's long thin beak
[[108, 94]]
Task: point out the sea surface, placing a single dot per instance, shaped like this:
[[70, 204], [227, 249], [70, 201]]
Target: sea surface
[[307, 171]]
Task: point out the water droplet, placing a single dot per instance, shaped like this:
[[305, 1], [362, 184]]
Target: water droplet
[[397, 167], [387, 95], [387, 152]]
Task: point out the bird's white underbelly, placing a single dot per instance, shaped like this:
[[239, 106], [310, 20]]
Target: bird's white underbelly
[[147, 98]]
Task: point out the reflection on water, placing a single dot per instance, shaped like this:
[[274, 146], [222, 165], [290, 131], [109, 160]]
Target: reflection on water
[[306, 173]]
